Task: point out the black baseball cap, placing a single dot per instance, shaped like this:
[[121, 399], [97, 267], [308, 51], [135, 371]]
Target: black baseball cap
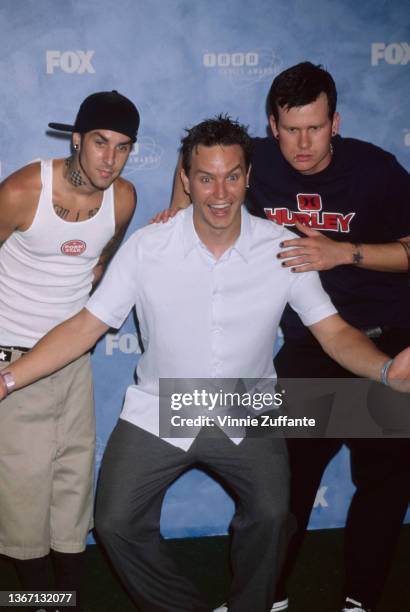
[[105, 110]]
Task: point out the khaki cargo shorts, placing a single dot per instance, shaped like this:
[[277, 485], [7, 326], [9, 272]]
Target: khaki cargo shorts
[[47, 442]]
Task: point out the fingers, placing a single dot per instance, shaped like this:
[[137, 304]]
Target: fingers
[[309, 267], [296, 261], [301, 264], [399, 371], [305, 229], [163, 216], [292, 253], [316, 252], [156, 218], [300, 242]]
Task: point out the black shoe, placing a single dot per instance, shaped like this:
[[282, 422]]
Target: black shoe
[[278, 606], [351, 605]]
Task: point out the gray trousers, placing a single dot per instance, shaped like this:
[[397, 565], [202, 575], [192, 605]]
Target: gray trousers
[[137, 470]]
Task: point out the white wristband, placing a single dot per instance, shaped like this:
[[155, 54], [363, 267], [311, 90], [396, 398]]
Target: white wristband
[[8, 381], [384, 372]]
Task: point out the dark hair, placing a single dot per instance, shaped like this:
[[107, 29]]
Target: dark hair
[[300, 85], [221, 130]]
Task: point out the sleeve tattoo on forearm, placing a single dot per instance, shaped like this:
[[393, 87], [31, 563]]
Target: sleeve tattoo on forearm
[[406, 246]]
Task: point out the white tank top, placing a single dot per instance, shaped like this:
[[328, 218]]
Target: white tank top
[[46, 272]]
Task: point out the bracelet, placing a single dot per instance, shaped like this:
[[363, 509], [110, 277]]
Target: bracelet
[[385, 371], [8, 381]]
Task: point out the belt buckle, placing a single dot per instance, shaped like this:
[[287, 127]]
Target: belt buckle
[[5, 355]]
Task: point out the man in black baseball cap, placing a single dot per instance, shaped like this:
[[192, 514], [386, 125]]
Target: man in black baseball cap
[[107, 110], [116, 116], [77, 210]]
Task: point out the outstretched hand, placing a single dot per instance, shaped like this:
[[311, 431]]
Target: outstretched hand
[[399, 372], [314, 251]]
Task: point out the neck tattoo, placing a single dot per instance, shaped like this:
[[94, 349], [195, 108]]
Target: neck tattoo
[[73, 174]]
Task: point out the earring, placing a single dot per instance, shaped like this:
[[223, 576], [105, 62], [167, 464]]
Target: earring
[[76, 147]]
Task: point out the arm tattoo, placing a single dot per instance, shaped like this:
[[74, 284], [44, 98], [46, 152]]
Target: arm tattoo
[[106, 254], [357, 254], [406, 246], [111, 247]]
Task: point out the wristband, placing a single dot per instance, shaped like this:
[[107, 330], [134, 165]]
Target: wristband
[[384, 371], [8, 381]]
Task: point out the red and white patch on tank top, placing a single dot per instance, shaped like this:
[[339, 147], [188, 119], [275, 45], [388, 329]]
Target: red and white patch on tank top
[[73, 247], [310, 213]]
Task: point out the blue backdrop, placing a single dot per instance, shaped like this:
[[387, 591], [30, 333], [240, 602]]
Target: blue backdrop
[[182, 61]]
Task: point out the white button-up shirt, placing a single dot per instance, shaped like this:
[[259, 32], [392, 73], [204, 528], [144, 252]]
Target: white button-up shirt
[[202, 317]]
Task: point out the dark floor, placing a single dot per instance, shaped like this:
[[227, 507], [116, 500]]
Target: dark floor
[[315, 585]]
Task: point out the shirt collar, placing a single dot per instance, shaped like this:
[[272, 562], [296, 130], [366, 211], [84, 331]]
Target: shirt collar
[[192, 240], [189, 236]]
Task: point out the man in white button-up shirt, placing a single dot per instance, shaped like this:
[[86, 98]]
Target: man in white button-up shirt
[[209, 293]]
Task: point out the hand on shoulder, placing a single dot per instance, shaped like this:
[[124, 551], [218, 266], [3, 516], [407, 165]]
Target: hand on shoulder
[[165, 215]]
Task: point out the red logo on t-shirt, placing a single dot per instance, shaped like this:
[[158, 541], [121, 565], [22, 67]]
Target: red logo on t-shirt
[[309, 201], [73, 247], [310, 213]]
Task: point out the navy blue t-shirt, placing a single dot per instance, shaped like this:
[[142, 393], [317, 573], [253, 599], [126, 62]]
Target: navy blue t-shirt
[[362, 196]]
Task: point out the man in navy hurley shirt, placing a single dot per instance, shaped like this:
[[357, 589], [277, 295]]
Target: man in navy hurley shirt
[[349, 201]]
